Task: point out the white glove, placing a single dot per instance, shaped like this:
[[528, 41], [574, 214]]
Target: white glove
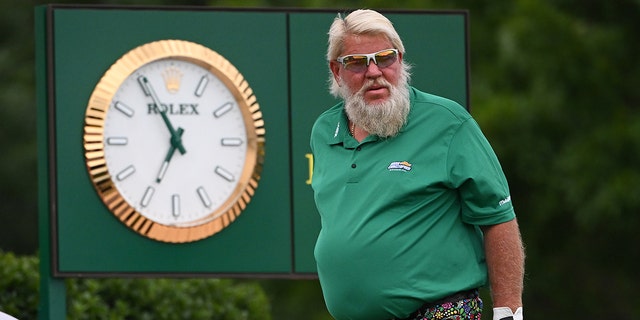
[[505, 313], [4, 316]]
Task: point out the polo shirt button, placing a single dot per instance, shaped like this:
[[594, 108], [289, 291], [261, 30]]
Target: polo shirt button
[[358, 148], [353, 165]]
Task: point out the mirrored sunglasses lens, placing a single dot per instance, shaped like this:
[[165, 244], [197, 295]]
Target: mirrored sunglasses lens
[[355, 63], [386, 58]]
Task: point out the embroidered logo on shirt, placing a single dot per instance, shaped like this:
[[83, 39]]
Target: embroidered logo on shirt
[[399, 166]]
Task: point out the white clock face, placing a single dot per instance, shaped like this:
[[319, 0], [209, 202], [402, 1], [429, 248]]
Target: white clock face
[[174, 141], [177, 164]]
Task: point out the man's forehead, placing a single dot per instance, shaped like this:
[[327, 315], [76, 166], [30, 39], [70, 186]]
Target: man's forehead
[[366, 41]]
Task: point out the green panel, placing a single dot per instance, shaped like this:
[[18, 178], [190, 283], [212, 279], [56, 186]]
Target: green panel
[[309, 98], [90, 239], [89, 40], [436, 47]]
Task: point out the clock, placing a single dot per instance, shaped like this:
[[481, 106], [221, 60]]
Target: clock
[[174, 141]]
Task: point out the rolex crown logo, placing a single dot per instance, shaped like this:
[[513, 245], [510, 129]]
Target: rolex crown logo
[[172, 77]]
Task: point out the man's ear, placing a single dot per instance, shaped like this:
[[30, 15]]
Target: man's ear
[[334, 66]]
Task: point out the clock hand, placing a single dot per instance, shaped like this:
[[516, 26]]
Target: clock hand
[[167, 158], [176, 141]]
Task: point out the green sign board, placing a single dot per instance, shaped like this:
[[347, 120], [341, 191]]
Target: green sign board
[[281, 54]]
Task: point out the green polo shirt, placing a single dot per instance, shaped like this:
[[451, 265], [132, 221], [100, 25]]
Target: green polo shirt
[[400, 216]]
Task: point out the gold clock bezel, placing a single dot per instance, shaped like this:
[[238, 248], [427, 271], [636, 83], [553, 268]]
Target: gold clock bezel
[[93, 140]]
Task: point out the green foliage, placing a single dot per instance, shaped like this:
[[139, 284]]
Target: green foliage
[[556, 98], [211, 299], [165, 299], [299, 299], [19, 282], [18, 189]]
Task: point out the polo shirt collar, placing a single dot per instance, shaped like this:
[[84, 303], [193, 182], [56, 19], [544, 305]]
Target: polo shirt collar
[[341, 134]]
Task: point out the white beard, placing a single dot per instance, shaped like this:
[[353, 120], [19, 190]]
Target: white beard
[[382, 119]]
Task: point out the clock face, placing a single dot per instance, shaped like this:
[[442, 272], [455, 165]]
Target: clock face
[[175, 147]]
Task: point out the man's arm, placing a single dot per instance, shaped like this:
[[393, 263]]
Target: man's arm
[[505, 261]]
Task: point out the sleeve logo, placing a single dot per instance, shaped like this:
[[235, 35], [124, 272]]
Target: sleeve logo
[[504, 201]]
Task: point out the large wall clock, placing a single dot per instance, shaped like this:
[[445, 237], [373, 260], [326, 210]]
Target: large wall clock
[[174, 141]]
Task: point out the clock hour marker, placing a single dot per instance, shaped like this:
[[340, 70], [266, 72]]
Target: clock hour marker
[[125, 173], [232, 142], [175, 205], [163, 170], [223, 109], [224, 174], [204, 197], [146, 198], [125, 109], [117, 141], [142, 80], [201, 85]]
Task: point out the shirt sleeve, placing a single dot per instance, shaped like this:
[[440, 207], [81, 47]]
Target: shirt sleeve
[[474, 170]]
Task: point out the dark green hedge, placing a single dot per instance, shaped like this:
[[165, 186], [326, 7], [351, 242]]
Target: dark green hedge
[[222, 299], [19, 282]]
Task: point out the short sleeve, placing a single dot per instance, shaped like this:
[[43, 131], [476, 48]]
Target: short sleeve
[[474, 170]]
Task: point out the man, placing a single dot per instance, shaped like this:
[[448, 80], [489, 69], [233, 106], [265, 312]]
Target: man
[[415, 209]]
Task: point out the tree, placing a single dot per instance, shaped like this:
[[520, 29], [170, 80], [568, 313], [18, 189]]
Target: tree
[[18, 190], [560, 108]]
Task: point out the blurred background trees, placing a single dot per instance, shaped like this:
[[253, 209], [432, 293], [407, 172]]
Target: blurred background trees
[[554, 86]]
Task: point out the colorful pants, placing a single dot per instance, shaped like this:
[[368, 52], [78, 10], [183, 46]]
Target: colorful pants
[[466, 309]]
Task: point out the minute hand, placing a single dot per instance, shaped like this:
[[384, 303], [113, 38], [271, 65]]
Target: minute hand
[[176, 140]]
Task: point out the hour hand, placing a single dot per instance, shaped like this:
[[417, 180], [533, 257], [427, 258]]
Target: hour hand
[[176, 141]]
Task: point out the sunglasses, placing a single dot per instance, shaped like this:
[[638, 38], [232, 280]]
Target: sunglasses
[[360, 62]]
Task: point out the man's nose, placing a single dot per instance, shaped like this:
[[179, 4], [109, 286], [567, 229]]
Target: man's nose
[[372, 70]]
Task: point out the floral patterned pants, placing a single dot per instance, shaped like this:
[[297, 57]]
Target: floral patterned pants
[[469, 308]]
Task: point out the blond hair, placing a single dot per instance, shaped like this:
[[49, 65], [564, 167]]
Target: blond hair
[[360, 22]]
